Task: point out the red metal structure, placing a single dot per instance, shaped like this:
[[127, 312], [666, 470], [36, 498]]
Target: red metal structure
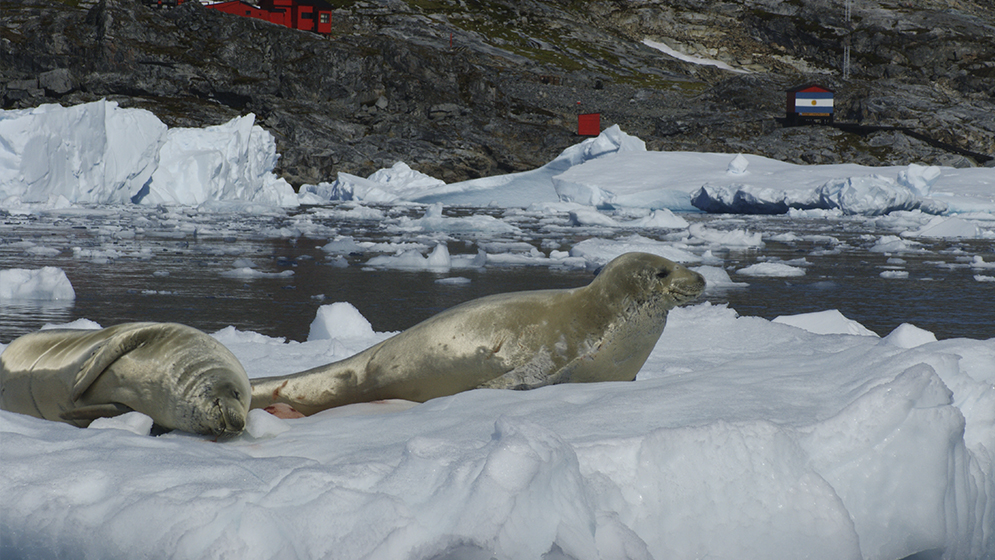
[[306, 15]]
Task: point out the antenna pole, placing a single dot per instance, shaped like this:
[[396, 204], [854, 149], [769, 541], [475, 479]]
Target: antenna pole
[[846, 40]]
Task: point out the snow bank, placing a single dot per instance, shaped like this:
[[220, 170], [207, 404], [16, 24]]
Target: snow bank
[[43, 284], [741, 437], [664, 48], [100, 153]]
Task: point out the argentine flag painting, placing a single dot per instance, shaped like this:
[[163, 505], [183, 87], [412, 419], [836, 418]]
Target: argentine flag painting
[[815, 102], [810, 102]]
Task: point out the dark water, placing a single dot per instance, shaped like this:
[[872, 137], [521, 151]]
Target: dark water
[[165, 268]]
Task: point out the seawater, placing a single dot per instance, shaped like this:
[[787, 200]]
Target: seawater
[[159, 265]]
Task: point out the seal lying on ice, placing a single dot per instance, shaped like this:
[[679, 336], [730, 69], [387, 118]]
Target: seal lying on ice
[[176, 374], [600, 332]]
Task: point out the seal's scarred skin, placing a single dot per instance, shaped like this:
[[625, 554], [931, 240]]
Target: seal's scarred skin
[[178, 375], [604, 331]]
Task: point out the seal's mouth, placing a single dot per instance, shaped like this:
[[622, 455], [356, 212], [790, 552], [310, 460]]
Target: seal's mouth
[[684, 285], [230, 420], [689, 289], [685, 295]]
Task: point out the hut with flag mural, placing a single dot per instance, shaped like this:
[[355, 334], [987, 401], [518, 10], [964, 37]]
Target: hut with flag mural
[[810, 103]]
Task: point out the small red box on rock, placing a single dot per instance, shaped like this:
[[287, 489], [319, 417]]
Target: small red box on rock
[[589, 124]]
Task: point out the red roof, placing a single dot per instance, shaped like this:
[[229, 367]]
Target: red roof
[[810, 88]]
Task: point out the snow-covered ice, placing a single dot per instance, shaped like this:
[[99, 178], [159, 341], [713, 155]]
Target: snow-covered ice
[[740, 438], [808, 436]]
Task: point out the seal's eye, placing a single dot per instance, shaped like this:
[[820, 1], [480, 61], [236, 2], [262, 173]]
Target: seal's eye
[[663, 274]]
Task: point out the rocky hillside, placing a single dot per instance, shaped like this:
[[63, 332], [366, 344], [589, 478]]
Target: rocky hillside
[[464, 88]]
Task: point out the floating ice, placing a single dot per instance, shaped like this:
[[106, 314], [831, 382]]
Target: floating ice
[[43, 284], [717, 279], [591, 217], [732, 238], [339, 320], [599, 251], [438, 261], [978, 262], [825, 322], [250, 273], [662, 218], [947, 227], [435, 221], [771, 269], [894, 244]]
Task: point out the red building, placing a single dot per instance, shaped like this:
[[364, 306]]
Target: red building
[[810, 102], [306, 15]]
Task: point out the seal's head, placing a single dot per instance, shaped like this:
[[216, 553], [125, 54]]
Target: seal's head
[[214, 390], [226, 409], [647, 278], [220, 402]]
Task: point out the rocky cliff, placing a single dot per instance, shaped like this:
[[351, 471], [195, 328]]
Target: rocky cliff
[[463, 88]]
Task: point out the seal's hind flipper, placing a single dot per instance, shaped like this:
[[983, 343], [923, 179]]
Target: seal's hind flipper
[[113, 348], [95, 411]]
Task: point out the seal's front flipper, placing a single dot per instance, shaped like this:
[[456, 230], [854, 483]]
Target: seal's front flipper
[[107, 353], [538, 372], [95, 411]]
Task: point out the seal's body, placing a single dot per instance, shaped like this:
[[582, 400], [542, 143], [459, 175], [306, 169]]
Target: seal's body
[[178, 375], [600, 332]]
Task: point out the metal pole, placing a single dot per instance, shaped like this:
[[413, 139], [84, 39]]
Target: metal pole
[[846, 40]]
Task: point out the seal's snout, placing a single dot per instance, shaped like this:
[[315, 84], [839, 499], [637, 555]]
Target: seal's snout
[[230, 418], [229, 414], [685, 285]]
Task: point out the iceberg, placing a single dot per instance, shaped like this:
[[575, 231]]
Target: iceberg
[[43, 284], [99, 153], [92, 153]]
